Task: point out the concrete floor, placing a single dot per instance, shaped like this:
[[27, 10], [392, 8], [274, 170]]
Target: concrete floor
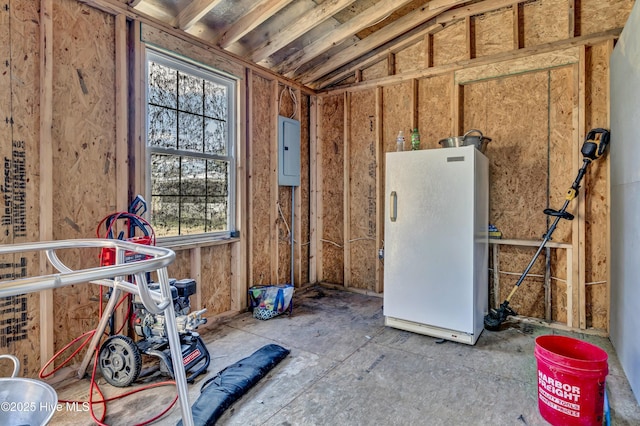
[[347, 368]]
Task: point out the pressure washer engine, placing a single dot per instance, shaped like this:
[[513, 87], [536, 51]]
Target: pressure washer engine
[[120, 360]]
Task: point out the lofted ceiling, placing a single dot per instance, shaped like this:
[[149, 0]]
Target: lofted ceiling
[[314, 42]]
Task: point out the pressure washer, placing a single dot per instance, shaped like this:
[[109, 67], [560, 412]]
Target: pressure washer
[[119, 358]]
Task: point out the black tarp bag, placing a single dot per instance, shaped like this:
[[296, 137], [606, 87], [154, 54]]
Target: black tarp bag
[[219, 392]]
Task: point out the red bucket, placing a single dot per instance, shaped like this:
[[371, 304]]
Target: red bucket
[[571, 378]]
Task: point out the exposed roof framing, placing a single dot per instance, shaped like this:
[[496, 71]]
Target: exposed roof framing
[[314, 42]]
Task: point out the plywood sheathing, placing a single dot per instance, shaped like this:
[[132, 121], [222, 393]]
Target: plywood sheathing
[[19, 187], [361, 241], [493, 32], [411, 58], [596, 190], [303, 195], [448, 43], [377, 70], [83, 134], [332, 176], [536, 150], [434, 120], [283, 235], [262, 113], [180, 268], [598, 14], [536, 19], [157, 37], [561, 176], [216, 283]]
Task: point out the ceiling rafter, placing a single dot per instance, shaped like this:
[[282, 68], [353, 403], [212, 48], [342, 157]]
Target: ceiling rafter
[[380, 55], [154, 10], [441, 20], [194, 12], [365, 19], [474, 9], [261, 11], [311, 19], [375, 40], [313, 44]]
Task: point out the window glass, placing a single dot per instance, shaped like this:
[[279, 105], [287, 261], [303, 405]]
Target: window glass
[[190, 118]]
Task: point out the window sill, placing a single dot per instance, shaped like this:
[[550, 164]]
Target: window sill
[[195, 242]]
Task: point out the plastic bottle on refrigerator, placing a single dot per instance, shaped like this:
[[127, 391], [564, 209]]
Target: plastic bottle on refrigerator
[[400, 141], [415, 140]]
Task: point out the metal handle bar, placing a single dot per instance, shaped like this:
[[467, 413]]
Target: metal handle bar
[[103, 275]]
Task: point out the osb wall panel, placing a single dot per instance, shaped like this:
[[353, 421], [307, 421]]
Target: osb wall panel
[[529, 299], [304, 189], [449, 45], [434, 110], [83, 135], [545, 21], [596, 191], [260, 177], [332, 124], [493, 32], [411, 58], [362, 190], [216, 279], [596, 15], [377, 70], [154, 36], [520, 155], [518, 151], [558, 286], [19, 138], [181, 267], [284, 234], [397, 110], [562, 172]]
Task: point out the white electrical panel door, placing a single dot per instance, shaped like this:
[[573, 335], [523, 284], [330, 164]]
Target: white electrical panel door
[[288, 152], [429, 237]]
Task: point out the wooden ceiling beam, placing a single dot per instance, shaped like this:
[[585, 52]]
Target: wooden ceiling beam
[[155, 11], [407, 40], [441, 4], [262, 10], [442, 16], [194, 12], [365, 19], [286, 35], [375, 40], [474, 9]]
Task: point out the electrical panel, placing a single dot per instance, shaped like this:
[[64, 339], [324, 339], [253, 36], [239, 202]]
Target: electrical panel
[[288, 152]]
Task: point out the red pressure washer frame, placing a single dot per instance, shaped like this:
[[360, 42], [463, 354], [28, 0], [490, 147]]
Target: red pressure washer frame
[[132, 223]]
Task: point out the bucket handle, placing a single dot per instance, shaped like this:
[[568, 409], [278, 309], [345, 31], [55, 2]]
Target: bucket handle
[[16, 364], [471, 131]]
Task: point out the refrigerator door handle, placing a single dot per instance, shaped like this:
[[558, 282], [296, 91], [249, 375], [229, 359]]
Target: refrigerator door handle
[[394, 206]]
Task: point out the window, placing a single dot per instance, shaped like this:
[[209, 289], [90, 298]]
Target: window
[[190, 144]]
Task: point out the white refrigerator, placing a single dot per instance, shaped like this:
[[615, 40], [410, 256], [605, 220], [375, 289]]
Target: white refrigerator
[[436, 242]]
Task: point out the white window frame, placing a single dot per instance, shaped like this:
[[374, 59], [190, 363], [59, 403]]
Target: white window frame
[[197, 69]]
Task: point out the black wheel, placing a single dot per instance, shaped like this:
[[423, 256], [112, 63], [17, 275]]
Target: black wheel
[[119, 361]]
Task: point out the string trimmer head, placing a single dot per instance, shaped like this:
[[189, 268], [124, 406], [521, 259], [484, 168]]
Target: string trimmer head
[[495, 317]]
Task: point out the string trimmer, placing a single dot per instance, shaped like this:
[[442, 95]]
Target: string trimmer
[[594, 147]]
